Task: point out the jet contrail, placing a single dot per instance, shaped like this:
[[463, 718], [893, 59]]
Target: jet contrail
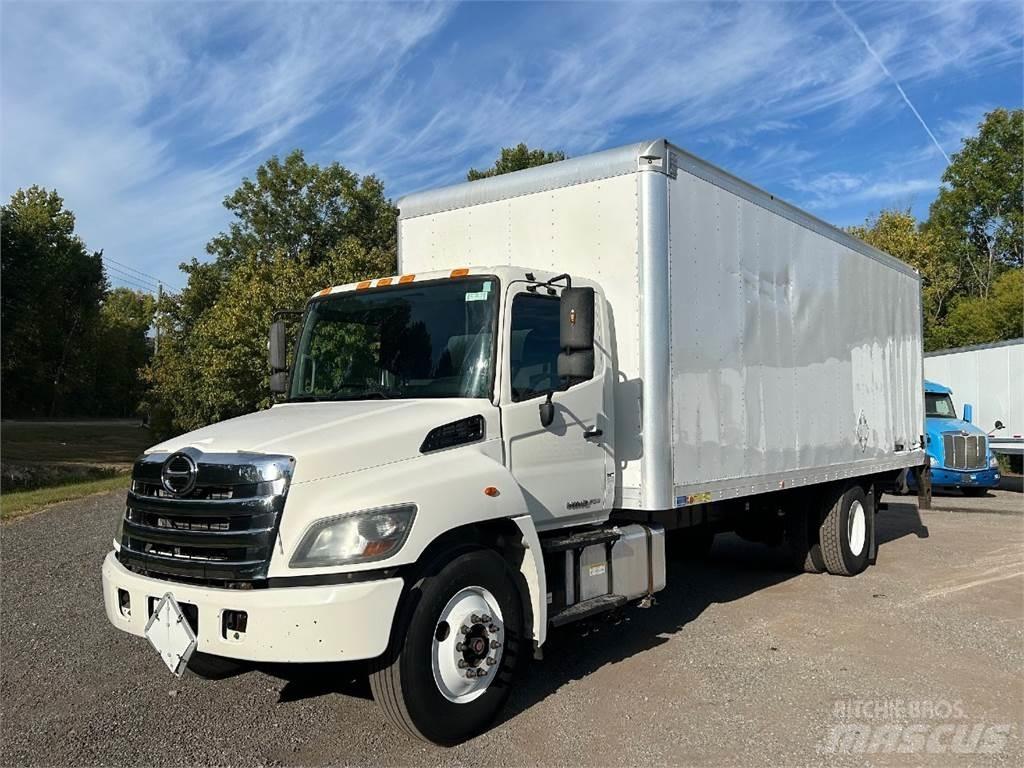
[[856, 30]]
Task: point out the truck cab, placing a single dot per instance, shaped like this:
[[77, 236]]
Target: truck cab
[[958, 451]]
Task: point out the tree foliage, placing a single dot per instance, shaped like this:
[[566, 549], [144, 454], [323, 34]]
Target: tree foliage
[[52, 287], [298, 227], [515, 158], [981, 319], [979, 214]]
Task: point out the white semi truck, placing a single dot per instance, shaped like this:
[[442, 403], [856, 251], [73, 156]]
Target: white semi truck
[[575, 362]]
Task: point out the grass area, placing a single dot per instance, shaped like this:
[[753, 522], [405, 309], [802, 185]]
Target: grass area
[[24, 502], [97, 443]]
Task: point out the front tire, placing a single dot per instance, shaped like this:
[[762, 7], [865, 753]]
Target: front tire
[[454, 650], [845, 533]]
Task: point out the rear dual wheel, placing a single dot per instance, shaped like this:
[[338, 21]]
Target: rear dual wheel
[[845, 532], [454, 651]]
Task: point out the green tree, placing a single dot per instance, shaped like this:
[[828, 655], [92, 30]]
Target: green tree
[[898, 233], [122, 349], [298, 227], [981, 319], [52, 287], [516, 159], [979, 214]]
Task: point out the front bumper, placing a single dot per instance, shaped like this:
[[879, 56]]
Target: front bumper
[[957, 478], [337, 622]]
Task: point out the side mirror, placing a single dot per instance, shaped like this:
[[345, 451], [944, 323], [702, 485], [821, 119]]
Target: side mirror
[[1000, 425], [547, 412], [968, 412], [279, 382], [576, 335], [277, 349]]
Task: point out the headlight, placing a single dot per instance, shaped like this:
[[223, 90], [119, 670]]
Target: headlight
[[993, 462], [933, 461], [357, 537]]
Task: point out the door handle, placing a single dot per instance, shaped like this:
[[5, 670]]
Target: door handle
[[592, 433]]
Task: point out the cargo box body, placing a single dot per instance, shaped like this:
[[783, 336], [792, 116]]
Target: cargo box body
[[756, 347]]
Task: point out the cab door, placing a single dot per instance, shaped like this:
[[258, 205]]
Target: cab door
[[566, 470]]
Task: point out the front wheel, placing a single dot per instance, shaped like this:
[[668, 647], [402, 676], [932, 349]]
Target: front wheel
[[454, 651]]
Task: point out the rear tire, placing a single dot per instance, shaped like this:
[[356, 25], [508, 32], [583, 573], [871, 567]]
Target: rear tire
[[845, 532], [422, 682]]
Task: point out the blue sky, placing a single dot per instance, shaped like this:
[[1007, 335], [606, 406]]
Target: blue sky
[[145, 115]]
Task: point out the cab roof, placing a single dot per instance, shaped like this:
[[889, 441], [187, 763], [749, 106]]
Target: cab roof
[[933, 387]]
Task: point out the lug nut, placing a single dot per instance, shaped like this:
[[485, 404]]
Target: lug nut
[[495, 644], [481, 672], [491, 662], [493, 629], [464, 629], [462, 664], [485, 619], [460, 647], [471, 674]]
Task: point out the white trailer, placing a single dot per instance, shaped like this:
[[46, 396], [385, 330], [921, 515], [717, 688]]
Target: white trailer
[[575, 363], [990, 377]]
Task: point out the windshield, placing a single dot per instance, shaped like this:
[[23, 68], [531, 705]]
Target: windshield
[[431, 339], [939, 406]]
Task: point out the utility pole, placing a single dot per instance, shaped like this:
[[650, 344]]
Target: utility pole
[[156, 316]]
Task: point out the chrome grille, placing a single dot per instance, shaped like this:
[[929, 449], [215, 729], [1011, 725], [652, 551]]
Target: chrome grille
[[965, 451], [221, 532]]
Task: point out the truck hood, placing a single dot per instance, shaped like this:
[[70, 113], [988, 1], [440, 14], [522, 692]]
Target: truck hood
[[329, 439], [939, 426]]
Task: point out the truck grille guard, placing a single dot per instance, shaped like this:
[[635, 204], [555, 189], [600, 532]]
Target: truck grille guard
[[204, 518], [965, 451]]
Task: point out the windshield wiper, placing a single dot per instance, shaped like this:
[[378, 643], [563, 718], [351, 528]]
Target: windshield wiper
[[367, 395]]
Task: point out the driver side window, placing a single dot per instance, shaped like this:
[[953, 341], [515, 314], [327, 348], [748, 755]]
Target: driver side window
[[533, 348]]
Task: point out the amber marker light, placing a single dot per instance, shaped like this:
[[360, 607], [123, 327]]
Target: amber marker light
[[363, 285], [406, 278], [383, 281], [459, 272], [491, 491]]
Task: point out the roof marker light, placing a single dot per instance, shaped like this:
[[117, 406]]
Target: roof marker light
[[406, 278], [384, 281], [459, 272], [363, 285], [324, 292]]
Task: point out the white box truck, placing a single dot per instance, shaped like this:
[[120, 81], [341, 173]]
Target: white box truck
[[990, 379], [575, 363]]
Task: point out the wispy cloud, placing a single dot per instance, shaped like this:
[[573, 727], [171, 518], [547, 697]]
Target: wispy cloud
[[145, 115]]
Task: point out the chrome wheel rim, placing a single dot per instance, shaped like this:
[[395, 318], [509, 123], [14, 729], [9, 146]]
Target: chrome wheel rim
[[857, 528], [468, 644]]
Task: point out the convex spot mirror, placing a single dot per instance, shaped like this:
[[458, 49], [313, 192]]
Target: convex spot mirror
[[1000, 425]]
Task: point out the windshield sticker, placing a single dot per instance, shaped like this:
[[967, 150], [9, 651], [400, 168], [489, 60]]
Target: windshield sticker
[[487, 286], [477, 296]]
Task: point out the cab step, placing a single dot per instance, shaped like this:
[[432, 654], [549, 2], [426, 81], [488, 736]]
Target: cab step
[[580, 539], [588, 608]]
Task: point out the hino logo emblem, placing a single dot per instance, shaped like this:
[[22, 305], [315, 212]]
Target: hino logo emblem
[[178, 474]]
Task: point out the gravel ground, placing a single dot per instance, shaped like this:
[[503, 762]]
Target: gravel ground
[[739, 663]]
